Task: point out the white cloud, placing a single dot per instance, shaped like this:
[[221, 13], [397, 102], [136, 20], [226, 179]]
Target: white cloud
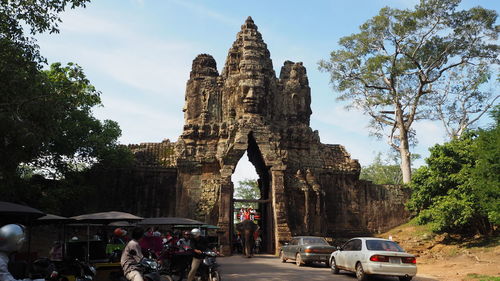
[[74, 21], [143, 62], [428, 133], [141, 122], [349, 120]]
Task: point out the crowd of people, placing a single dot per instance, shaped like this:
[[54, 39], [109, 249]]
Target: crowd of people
[[140, 243], [153, 243]]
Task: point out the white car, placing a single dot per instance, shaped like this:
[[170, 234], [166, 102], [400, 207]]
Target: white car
[[373, 256]]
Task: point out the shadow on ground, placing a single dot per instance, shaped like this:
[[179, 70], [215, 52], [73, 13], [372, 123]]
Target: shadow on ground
[[267, 267]]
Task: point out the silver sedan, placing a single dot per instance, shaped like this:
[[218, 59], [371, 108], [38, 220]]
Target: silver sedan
[[306, 250], [374, 256]]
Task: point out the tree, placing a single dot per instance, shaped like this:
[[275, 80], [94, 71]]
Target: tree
[[485, 175], [462, 99], [46, 121], [24, 89], [382, 171], [247, 189], [390, 68], [459, 189], [54, 129]]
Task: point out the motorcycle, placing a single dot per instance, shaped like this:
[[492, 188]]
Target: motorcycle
[[86, 271], [151, 270], [75, 269], [208, 268], [177, 264]]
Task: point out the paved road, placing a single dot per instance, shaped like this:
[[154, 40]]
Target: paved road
[[266, 267]]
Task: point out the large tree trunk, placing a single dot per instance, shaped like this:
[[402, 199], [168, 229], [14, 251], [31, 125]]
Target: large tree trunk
[[404, 148], [404, 151]]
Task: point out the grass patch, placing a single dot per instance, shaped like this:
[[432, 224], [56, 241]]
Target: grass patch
[[480, 277]]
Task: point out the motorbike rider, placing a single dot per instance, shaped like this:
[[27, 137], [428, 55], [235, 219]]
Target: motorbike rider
[[199, 244], [11, 240], [185, 242], [132, 255]]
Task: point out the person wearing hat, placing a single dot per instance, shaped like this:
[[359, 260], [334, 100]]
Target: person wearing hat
[[11, 240], [199, 245]]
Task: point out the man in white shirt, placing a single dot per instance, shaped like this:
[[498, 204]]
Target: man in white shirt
[[132, 256]]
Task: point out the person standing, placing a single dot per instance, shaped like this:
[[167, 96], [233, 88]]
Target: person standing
[[132, 256], [199, 244]]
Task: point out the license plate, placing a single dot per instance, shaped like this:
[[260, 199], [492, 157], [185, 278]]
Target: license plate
[[395, 260]]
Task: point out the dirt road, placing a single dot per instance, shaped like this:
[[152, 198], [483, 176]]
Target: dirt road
[[266, 267]]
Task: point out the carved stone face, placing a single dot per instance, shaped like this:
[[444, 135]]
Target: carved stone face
[[252, 93]]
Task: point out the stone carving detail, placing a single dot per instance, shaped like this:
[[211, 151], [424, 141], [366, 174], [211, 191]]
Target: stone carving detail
[[208, 197]]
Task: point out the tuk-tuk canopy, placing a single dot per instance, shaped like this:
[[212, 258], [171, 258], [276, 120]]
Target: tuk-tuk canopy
[[16, 213], [106, 217], [170, 221]]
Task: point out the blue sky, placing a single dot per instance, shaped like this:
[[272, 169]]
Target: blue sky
[[139, 54]]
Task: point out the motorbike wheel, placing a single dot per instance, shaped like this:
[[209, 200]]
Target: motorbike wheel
[[214, 276]]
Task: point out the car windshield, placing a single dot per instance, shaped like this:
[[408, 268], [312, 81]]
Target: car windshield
[[314, 241], [383, 245]]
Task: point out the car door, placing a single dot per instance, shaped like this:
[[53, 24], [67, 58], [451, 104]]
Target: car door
[[340, 258], [289, 249], [296, 247], [353, 255]]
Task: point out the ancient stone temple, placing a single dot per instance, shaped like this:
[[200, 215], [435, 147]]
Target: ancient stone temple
[[307, 187]]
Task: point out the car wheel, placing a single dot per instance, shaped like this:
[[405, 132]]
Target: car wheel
[[333, 266], [282, 257], [360, 273], [405, 278], [298, 260]]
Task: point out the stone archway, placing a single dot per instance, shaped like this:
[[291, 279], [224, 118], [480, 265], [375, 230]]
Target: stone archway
[[264, 202], [268, 166]]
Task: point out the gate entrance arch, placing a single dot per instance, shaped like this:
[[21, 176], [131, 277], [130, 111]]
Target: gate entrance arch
[[308, 188], [263, 201]]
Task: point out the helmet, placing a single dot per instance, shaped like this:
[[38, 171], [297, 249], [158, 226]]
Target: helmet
[[11, 237], [196, 232], [120, 232]]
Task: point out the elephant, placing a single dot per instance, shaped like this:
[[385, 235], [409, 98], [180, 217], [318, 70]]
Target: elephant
[[247, 228]]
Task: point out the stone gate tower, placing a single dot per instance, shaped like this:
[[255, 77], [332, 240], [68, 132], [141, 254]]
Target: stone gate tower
[[306, 187]]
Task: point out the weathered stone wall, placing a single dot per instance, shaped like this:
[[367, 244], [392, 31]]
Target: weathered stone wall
[[144, 191], [147, 188]]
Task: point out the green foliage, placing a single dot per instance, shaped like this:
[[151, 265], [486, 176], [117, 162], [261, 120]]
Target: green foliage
[[46, 122], [382, 171], [459, 189], [247, 189]]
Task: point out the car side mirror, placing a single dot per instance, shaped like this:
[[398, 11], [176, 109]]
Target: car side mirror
[[339, 248]]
